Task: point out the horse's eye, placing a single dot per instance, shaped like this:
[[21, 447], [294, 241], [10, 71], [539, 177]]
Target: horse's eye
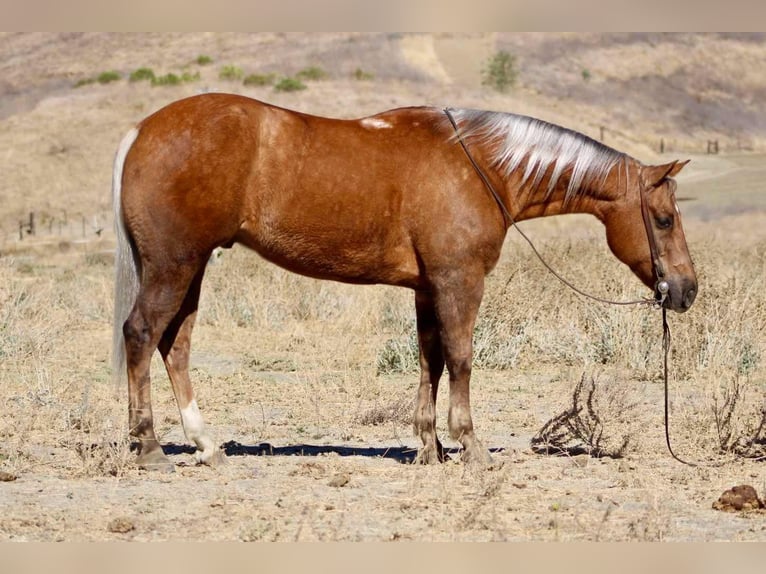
[[664, 222]]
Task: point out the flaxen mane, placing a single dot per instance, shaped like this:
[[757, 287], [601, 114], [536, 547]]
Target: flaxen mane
[[540, 145]]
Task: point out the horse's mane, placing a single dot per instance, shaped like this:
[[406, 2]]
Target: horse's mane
[[542, 144]]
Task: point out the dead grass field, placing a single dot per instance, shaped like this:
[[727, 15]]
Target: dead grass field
[[310, 385]]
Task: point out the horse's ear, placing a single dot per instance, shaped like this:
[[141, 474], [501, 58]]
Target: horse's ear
[[677, 166], [652, 175]]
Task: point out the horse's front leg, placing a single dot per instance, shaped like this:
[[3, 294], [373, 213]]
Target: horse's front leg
[[457, 304]]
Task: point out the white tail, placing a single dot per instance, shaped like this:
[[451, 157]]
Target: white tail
[[126, 271]]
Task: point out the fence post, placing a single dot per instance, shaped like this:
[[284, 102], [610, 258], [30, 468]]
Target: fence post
[[662, 145]]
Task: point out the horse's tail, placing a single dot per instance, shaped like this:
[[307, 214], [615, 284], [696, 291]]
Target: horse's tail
[[126, 265]]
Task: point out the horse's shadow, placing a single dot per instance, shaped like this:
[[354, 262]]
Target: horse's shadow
[[401, 454]]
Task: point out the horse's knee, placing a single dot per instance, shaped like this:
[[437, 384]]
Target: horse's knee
[[460, 367]]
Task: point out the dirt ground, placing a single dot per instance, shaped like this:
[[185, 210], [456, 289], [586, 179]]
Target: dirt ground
[[318, 441], [321, 483]]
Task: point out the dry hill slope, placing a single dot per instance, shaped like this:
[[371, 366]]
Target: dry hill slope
[[57, 142]]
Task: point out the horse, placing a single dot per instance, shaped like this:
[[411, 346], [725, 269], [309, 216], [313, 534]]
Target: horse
[[417, 197]]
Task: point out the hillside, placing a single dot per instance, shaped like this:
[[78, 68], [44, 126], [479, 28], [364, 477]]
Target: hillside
[[57, 141]]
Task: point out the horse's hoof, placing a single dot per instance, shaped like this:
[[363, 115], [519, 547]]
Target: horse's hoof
[[216, 458], [155, 461], [429, 455], [477, 457]]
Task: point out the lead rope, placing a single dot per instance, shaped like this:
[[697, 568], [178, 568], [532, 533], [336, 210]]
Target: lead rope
[[666, 352], [662, 286]]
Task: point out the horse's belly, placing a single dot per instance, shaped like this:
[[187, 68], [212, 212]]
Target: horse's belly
[[347, 257]]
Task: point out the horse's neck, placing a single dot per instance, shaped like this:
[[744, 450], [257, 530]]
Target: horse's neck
[[595, 197]]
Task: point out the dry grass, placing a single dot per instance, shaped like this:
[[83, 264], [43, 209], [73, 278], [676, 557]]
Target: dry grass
[[285, 360], [331, 340]]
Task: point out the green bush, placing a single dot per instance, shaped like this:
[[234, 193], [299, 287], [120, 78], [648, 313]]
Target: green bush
[[230, 73], [171, 79], [108, 76], [186, 77], [585, 74], [311, 73], [259, 80], [166, 80], [142, 74], [289, 85], [499, 71], [84, 82], [360, 74], [204, 60]]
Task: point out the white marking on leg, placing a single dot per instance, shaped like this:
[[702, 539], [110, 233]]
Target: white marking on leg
[[194, 428]]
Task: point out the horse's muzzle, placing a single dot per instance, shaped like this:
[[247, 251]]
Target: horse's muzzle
[[681, 295]]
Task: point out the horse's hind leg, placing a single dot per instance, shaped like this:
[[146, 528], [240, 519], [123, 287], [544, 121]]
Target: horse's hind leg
[[160, 296], [431, 369], [174, 347]]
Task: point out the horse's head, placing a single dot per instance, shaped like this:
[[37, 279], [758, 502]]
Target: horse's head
[[636, 222]]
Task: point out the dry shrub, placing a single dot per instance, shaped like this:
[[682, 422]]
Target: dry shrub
[[740, 421], [597, 423], [718, 351], [398, 410], [399, 354]]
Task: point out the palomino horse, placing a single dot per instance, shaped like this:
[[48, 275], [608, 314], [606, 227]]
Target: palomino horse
[[391, 198]]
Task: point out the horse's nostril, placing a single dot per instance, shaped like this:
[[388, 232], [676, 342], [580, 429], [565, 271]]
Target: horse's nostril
[[689, 297]]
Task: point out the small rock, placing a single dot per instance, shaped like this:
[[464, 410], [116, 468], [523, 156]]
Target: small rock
[[121, 525], [7, 476], [741, 497], [340, 479]]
